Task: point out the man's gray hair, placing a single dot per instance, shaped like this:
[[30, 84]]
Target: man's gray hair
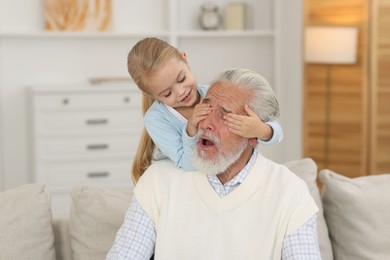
[[263, 100]]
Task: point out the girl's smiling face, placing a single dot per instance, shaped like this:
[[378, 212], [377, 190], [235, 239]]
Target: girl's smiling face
[[174, 84]]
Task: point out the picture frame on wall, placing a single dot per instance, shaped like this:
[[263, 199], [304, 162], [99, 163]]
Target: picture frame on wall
[[77, 15]]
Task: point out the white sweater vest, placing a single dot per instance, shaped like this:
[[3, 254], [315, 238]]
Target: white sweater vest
[[193, 222]]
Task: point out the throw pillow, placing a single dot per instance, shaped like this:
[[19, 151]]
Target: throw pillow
[[25, 223], [306, 169], [95, 217], [357, 211]]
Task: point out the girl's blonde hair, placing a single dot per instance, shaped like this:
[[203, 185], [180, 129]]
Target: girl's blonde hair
[[143, 61]]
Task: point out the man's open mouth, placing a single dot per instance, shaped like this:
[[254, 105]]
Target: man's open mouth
[[206, 142]]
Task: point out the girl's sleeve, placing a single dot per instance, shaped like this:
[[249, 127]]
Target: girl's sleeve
[[189, 143], [171, 140], [277, 136]]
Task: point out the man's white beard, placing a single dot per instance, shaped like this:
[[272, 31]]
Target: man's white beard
[[221, 162]]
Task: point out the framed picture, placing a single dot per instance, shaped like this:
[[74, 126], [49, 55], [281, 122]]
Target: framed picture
[[77, 15]]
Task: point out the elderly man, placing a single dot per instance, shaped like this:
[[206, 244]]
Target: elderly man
[[238, 205]]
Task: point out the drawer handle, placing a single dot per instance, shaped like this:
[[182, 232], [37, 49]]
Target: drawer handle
[[126, 99], [96, 121], [97, 146], [98, 174]]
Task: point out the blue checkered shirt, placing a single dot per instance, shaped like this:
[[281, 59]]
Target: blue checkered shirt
[[136, 238]]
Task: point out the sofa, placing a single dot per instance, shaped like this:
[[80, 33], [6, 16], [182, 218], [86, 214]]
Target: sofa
[[353, 218]]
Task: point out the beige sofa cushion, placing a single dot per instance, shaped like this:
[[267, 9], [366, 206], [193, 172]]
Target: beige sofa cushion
[[25, 223], [95, 217], [306, 169], [357, 211]]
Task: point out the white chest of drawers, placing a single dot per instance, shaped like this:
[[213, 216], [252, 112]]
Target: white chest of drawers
[[83, 136]]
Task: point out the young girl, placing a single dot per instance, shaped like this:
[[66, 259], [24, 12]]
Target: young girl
[[172, 107]]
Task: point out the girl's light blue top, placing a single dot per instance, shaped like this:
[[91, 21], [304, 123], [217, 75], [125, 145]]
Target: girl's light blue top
[[167, 128]]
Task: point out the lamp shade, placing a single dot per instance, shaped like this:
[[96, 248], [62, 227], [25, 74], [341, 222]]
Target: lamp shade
[[330, 45]]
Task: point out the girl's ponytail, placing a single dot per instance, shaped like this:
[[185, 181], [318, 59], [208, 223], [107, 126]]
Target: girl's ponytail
[[143, 157]]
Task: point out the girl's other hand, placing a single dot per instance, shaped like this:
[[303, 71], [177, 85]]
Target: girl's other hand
[[248, 126]]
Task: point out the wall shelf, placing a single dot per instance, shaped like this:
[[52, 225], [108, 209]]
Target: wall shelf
[[184, 34], [226, 34], [82, 35]]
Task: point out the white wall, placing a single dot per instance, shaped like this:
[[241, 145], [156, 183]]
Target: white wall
[[291, 79], [1, 125], [46, 60]]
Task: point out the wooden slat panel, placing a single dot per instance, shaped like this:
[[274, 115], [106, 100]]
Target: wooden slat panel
[[348, 93], [380, 113]]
